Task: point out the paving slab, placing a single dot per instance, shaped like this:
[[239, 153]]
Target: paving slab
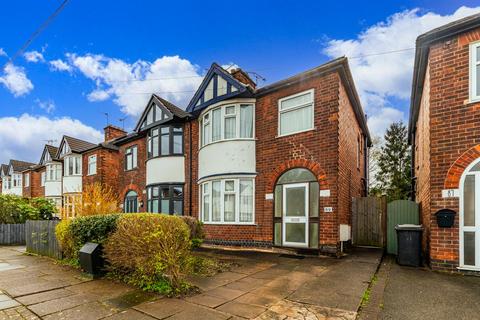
[[259, 300], [89, 311], [7, 304], [129, 314], [44, 296], [207, 300], [60, 304], [226, 293], [162, 308], [244, 310]]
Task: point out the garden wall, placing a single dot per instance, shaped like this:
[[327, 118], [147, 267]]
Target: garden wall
[[11, 234], [40, 238]]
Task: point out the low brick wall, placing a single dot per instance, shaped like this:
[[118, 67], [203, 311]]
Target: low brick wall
[[40, 238], [12, 234]]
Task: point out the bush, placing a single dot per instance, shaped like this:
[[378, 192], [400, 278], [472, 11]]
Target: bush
[[196, 230], [74, 233], [15, 209], [151, 251], [96, 199]]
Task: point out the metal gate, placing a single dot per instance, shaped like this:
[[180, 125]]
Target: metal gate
[[368, 221], [399, 212]]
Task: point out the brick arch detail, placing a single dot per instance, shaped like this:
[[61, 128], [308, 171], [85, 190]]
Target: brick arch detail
[[129, 187], [313, 166], [452, 180]]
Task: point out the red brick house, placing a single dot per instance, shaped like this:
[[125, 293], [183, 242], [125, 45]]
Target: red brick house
[[444, 134], [278, 165]]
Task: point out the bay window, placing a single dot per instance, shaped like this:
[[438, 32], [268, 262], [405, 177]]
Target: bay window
[[228, 201], [165, 198], [295, 113], [227, 122], [73, 165], [165, 141], [54, 172], [131, 158]]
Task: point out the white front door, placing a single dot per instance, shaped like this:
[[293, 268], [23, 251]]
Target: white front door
[[470, 219], [295, 215]]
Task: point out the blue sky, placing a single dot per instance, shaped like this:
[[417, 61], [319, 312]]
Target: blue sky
[[107, 56]]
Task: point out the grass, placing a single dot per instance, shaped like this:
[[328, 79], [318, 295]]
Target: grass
[[368, 291]]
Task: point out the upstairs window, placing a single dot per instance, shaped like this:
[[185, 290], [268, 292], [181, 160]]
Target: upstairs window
[[54, 172], [42, 179], [92, 164], [131, 158], [65, 149], [165, 141], [27, 180], [475, 71], [73, 166], [155, 114], [226, 123], [295, 113]]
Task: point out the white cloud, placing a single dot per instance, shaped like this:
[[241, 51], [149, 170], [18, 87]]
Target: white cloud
[[15, 80], [380, 120], [23, 138], [60, 65], [48, 106], [230, 66], [380, 78], [131, 84], [3, 53], [34, 56]]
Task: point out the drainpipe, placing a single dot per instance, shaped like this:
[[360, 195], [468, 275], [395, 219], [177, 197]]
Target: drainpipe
[[366, 150], [190, 168], [412, 162]]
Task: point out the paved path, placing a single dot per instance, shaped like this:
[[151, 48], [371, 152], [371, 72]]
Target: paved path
[[404, 293], [262, 286]]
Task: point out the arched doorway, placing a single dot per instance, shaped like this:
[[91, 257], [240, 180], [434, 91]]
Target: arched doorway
[[131, 202], [296, 209], [470, 217]]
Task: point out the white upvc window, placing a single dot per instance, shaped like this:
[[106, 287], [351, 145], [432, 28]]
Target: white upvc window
[[92, 164], [474, 74], [54, 172], [228, 201], [295, 113], [27, 180], [17, 180], [228, 122], [73, 165], [42, 179]]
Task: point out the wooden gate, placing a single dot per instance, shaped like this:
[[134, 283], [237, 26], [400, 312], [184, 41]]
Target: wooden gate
[[369, 221], [399, 212]]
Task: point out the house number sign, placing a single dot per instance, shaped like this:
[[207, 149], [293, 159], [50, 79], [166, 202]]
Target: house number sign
[[450, 193], [327, 209]]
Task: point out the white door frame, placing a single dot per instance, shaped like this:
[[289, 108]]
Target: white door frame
[[475, 228], [286, 219]]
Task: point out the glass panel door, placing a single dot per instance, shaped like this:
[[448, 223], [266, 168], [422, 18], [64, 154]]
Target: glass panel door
[[295, 215], [470, 221]]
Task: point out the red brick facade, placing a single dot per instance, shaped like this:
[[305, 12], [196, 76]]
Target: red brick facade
[[446, 142], [108, 168], [35, 188]]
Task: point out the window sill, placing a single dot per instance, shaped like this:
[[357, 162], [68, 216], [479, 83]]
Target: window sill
[[133, 169], [91, 174], [167, 156], [296, 132], [470, 101], [229, 224], [467, 268]]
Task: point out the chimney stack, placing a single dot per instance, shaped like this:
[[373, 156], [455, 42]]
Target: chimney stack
[[243, 77], [113, 132]]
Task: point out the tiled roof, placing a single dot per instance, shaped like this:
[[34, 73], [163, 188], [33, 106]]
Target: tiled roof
[[176, 111], [4, 168], [77, 145], [19, 166], [52, 151]]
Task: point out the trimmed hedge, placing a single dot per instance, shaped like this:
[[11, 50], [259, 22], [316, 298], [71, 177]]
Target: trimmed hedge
[[15, 209]]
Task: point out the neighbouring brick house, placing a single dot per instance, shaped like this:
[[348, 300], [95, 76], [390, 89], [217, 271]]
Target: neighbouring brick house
[[444, 133], [12, 177], [32, 181], [278, 165]]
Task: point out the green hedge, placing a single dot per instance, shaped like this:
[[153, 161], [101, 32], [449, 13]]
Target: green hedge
[[15, 209]]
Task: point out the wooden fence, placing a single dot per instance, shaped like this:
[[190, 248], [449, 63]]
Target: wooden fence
[[369, 221], [40, 238], [11, 234]]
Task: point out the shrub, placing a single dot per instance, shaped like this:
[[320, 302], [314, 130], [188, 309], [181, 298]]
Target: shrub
[[15, 209], [74, 233], [151, 251], [96, 199], [196, 230]]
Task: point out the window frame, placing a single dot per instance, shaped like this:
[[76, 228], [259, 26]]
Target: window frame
[[89, 163], [208, 186], [472, 74], [171, 198], [223, 118], [43, 176], [77, 163], [298, 107], [128, 152], [171, 138], [27, 180]]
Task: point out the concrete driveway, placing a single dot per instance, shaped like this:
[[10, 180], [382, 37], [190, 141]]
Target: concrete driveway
[[262, 286]]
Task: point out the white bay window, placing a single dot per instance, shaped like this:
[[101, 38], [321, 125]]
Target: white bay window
[[73, 165], [228, 201], [227, 122], [295, 113]]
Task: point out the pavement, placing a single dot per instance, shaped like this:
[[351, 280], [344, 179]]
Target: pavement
[[260, 286], [408, 293]]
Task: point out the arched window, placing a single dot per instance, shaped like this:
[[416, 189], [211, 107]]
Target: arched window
[[296, 209], [131, 202], [470, 217]]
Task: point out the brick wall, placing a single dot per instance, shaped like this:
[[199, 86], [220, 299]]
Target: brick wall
[[316, 150], [454, 131], [133, 179], [26, 191], [37, 190], [108, 168]]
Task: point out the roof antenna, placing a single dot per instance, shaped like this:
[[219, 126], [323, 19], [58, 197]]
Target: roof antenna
[[50, 141], [257, 76], [122, 120], [106, 114]]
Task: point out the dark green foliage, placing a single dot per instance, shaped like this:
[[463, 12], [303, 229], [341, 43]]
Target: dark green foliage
[[394, 165], [15, 209]]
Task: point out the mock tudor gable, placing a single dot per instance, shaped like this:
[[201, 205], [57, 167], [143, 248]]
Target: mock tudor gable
[[218, 85], [157, 112]]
